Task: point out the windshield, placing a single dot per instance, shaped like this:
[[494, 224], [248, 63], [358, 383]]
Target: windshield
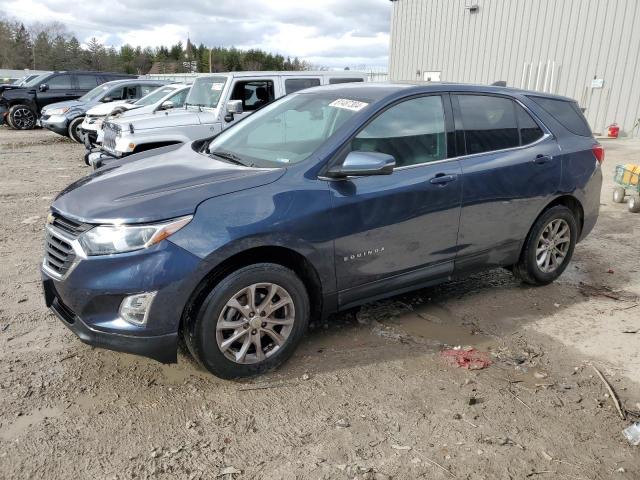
[[94, 94], [20, 80], [36, 81], [155, 96], [286, 131], [206, 91]]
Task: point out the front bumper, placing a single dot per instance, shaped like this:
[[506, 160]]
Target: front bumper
[[88, 298], [55, 123]]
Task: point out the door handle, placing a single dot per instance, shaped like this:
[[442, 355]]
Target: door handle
[[542, 159], [442, 179]]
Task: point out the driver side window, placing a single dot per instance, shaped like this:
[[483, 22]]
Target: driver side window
[[412, 131]]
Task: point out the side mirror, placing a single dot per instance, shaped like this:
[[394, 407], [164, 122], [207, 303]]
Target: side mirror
[[363, 164], [167, 105], [43, 87], [234, 107]]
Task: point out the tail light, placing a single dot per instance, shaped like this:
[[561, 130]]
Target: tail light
[[598, 152]]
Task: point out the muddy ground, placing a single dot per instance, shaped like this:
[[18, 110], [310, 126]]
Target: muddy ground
[[366, 396]]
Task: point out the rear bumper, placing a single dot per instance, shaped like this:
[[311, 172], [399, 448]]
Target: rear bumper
[[161, 348], [4, 111]]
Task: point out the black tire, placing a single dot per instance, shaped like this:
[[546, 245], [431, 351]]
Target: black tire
[[634, 204], [7, 120], [22, 117], [74, 130], [200, 335], [618, 194], [527, 268]]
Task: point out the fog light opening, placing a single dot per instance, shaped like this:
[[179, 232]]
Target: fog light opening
[[135, 308]]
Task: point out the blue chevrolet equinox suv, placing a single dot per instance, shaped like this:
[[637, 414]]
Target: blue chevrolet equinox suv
[[321, 201]]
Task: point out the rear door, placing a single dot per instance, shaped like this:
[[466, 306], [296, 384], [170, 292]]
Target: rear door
[[86, 82], [510, 171], [396, 231]]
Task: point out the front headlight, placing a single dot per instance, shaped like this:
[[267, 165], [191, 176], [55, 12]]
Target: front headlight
[[57, 111], [108, 239]]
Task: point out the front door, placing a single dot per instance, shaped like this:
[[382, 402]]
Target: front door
[[254, 94], [400, 230], [60, 88], [510, 173]]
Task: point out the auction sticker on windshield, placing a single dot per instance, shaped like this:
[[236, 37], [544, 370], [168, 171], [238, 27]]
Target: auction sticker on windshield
[[347, 104], [217, 86]]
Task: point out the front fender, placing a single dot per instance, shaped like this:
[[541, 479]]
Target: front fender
[[272, 215]]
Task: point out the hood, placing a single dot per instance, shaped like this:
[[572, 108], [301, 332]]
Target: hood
[[175, 118], [156, 185], [69, 104], [106, 108]]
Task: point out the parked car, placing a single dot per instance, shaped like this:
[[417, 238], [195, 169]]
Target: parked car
[[321, 201], [215, 102], [161, 99], [20, 82], [66, 118], [21, 106]]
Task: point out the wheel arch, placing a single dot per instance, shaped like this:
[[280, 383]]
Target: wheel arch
[[569, 201], [283, 256]]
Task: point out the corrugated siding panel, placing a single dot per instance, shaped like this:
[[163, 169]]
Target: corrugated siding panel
[[573, 41]]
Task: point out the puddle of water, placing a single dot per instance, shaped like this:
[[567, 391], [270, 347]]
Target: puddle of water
[[437, 326], [22, 424]]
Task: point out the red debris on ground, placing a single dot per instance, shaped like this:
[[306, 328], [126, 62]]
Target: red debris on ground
[[471, 358]]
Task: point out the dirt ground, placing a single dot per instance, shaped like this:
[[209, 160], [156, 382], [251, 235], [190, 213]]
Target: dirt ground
[[366, 396]]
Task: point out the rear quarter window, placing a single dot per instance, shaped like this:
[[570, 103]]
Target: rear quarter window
[[567, 113]]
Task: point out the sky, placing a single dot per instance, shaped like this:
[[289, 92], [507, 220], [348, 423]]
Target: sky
[[329, 33]]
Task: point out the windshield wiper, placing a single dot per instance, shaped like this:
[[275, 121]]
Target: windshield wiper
[[199, 105], [231, 158]]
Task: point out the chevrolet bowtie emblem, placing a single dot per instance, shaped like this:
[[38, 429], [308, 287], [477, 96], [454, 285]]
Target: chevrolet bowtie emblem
[[50, 218]]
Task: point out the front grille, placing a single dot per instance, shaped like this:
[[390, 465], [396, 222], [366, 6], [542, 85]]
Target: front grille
[[110, 134], [59, 254], [69, 226]]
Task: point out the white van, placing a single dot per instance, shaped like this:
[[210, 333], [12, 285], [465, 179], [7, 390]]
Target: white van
[[215, 102]]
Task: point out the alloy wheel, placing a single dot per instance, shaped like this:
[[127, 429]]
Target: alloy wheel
[[23, 118], [255, 323], [553, 245]]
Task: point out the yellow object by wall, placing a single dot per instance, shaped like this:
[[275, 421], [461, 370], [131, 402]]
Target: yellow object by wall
[[631, 174]]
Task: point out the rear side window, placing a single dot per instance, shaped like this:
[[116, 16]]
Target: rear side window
[[60, 82], [344, 80], [566, 113], [489, 123], [294, 84], [87, 82], [530, 131], [412, 131]]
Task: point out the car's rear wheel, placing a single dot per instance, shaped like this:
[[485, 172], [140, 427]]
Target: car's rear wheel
[[250, 322], [618, 194], [22, 117], [548, 247], [74, 130]]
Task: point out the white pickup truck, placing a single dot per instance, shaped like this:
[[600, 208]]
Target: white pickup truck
[[162, 98], [215, 102]]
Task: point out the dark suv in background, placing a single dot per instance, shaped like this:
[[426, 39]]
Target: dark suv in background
[[20, 107], [65, 118], [320, 201]]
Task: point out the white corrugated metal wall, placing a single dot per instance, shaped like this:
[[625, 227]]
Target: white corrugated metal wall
[[561, 46]]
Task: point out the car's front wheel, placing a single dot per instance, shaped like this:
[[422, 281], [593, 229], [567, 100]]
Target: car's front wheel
[[74, 130], [250, 322], [548, 247], [22, 117]]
